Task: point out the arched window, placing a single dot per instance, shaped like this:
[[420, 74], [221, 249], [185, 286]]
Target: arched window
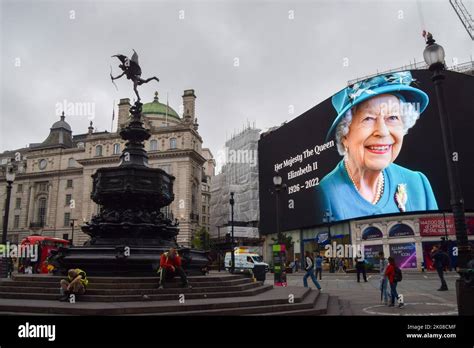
[[371, 232], [116, 149], [153, 145], [173, 143], [71, 162], [401, 230], [41, 217], [98, 150]]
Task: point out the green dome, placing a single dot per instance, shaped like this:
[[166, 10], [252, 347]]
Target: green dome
[[155, 107]]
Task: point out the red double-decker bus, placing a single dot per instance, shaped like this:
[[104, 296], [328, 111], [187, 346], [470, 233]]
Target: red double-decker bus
[[44, 245]]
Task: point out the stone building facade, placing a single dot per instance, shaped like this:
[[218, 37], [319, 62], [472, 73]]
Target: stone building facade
[[53, 182]]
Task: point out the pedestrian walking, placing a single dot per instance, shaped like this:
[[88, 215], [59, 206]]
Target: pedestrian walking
[[383, 263], [360, 267], [341, 266], [394, 275], [319, 266], [309, 268], [441, 263]]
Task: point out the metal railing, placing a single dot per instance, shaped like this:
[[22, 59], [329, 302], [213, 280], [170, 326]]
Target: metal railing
[[462, 68]]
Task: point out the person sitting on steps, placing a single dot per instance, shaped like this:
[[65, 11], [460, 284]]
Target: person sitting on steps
[[170, 266], [75, 284]]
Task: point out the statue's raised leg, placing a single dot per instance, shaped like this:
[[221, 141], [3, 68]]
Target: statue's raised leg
[[142, 81]]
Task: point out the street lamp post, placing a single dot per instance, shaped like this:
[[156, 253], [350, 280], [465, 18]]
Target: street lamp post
[[434, 58], [277, 183], [10, 178], [327, 219], [73, 221], [232, 252]]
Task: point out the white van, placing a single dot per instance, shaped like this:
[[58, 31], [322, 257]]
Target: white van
[[244, 260]]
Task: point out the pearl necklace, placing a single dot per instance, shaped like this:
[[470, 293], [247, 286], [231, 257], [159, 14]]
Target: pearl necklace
[[380, 184]]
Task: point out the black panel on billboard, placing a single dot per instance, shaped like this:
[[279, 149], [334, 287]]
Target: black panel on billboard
[[304, 154]]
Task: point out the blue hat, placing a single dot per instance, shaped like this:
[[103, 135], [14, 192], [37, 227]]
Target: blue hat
[[397, 83]]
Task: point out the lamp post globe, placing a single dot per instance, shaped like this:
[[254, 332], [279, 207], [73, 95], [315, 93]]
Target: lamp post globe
[[277, 180], [10, 177], [433, 54]]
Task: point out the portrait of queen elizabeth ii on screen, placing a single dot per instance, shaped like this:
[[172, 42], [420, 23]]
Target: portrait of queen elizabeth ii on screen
[[373, 117]]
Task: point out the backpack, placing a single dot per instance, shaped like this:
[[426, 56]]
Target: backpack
[[397, 277]]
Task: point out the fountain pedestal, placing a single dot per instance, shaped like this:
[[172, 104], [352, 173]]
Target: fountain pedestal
[[130, 232]]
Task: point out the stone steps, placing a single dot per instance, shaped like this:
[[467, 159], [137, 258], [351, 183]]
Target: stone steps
[[334, 306], [213, 295], [305, 306], [137, 296], [132, 291], [270, 297], [56, 279], [128, 285]]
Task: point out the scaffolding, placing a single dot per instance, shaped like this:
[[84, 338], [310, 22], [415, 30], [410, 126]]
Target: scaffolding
[[239, 174]]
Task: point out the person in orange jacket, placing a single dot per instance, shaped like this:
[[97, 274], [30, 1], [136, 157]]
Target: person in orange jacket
[[170, 266]]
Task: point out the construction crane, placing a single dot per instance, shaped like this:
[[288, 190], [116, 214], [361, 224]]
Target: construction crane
[[464, 16]]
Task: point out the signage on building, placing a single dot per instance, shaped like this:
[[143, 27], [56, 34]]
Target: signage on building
[[243, 231], [404, 254], [439, 226], [371, 254]]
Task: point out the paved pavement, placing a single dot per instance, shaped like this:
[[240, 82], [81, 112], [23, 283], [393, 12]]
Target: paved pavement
[[418, 289]]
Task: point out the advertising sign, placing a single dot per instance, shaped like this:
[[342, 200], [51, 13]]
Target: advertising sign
[[404, 254], [441, 226], [371, 254], [324, 155]]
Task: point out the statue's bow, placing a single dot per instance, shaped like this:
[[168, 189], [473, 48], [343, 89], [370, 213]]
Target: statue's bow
[[112, 78]]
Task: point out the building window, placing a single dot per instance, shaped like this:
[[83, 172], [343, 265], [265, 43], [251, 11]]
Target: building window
[[173, 143], [67, 219], [68, 199], [16, 221], [66, 236], [18, 203], [98, 150], [19, 188], [116, 149], [69, 183], [42, 211], [153, 145], [80, 145]]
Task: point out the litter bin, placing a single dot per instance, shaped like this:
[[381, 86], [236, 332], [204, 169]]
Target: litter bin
[[259, 272]]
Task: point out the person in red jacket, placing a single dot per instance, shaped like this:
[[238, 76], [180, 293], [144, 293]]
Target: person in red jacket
[[390, 273], [170, 266]]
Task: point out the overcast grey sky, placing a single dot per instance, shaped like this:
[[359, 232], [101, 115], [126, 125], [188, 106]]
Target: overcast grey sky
[[50, 54]]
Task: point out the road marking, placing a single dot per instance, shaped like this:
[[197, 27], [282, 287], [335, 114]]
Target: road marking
[[425, 277], [453, 311]]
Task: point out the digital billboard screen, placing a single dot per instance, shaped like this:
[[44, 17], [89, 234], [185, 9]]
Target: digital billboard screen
[[373, 148]]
